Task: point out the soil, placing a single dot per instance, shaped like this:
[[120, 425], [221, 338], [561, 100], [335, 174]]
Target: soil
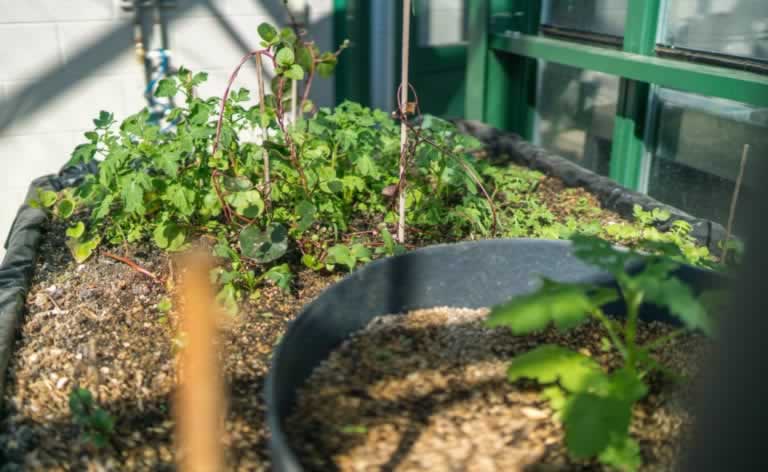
[[96, 325], [428, 392]]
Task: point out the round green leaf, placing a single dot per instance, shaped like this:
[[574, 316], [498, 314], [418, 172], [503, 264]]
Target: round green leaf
[[295, 72], [284, 57], [76, 231], [66, 207], [267, 32], [264, 245]]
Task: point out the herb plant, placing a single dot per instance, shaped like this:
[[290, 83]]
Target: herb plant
[[594, 406], [316, 187], [96, 424]]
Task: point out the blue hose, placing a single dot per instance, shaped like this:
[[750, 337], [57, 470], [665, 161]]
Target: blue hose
[[159, 110]]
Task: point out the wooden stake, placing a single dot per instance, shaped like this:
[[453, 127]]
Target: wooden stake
[[734, 200], [199, 408], [403, 104]]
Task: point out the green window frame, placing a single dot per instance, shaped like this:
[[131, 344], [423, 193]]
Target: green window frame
[[501, 74]]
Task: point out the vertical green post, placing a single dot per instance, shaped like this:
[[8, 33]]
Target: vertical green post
[[501, 88], [477, 60], [351, 20], [628, 146]]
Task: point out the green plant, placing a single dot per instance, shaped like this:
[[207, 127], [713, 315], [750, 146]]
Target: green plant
[[97, 425], [594, 406]]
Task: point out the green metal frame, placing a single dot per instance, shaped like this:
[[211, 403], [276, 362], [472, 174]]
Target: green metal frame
[[502, 82], [351, 20]]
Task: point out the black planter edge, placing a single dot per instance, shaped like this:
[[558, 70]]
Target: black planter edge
[[612, 196], [17, 268]]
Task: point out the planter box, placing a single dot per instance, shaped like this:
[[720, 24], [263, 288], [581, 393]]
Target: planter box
[[470, 274], [21, 253], [612, 196]]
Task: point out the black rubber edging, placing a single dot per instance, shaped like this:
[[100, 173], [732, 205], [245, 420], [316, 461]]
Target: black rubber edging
[[612, 196], [470, 274], [20, 257]]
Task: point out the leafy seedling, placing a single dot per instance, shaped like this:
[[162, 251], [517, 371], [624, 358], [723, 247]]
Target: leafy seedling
[[97, 425], [595, 406]]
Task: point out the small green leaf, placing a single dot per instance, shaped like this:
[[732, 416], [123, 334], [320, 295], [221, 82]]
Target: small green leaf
[[284, 57], [295, 72], [311, 262], [623, 453], [75, 232], [354, 429], [104, 120], [66, 207], [82, 250], [227, 299], [678, 298], [169, 236], [600, 253], [267, 32], [565, 305], [308, 106], [46, 198], [264, 245], [591, 421], [164, 305], [199, 78], [166, 88], [340, 254], [550, 363], [287, 35], [281, 275], [306, 213]]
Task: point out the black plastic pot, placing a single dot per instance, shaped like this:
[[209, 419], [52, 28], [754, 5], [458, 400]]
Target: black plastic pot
[[470, 274]]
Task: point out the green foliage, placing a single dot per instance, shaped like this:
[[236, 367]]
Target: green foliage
[[96, 424], [329, 205], [595, 407]]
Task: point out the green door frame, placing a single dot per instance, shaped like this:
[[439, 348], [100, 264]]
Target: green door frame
[[351, 20], [497, 78]]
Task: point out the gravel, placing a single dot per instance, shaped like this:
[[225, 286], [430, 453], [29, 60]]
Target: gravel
[[428, 391]]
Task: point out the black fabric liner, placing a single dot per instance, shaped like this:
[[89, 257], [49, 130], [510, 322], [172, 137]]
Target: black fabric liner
[[21, 253]]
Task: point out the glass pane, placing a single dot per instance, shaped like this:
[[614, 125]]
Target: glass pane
[[441, 22], [575, 114], [698, 151], [594, 16], [735, 27]]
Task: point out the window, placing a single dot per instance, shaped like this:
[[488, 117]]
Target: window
[[575, 114], [441, 22], [594, 16], [697, 153], [733, 27]]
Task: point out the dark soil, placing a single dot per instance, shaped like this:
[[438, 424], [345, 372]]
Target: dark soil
[[428, 392], [96, 325]]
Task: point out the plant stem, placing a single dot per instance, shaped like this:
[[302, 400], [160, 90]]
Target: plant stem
[[663, 340], [615, 338], [403, 118], [264, 152], [634, 300], [734, 200]]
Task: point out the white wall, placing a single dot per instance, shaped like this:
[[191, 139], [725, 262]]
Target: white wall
[[62, 61]]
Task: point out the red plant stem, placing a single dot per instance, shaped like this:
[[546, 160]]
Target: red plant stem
[[264, 152], [232, 78], [134, 266]]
